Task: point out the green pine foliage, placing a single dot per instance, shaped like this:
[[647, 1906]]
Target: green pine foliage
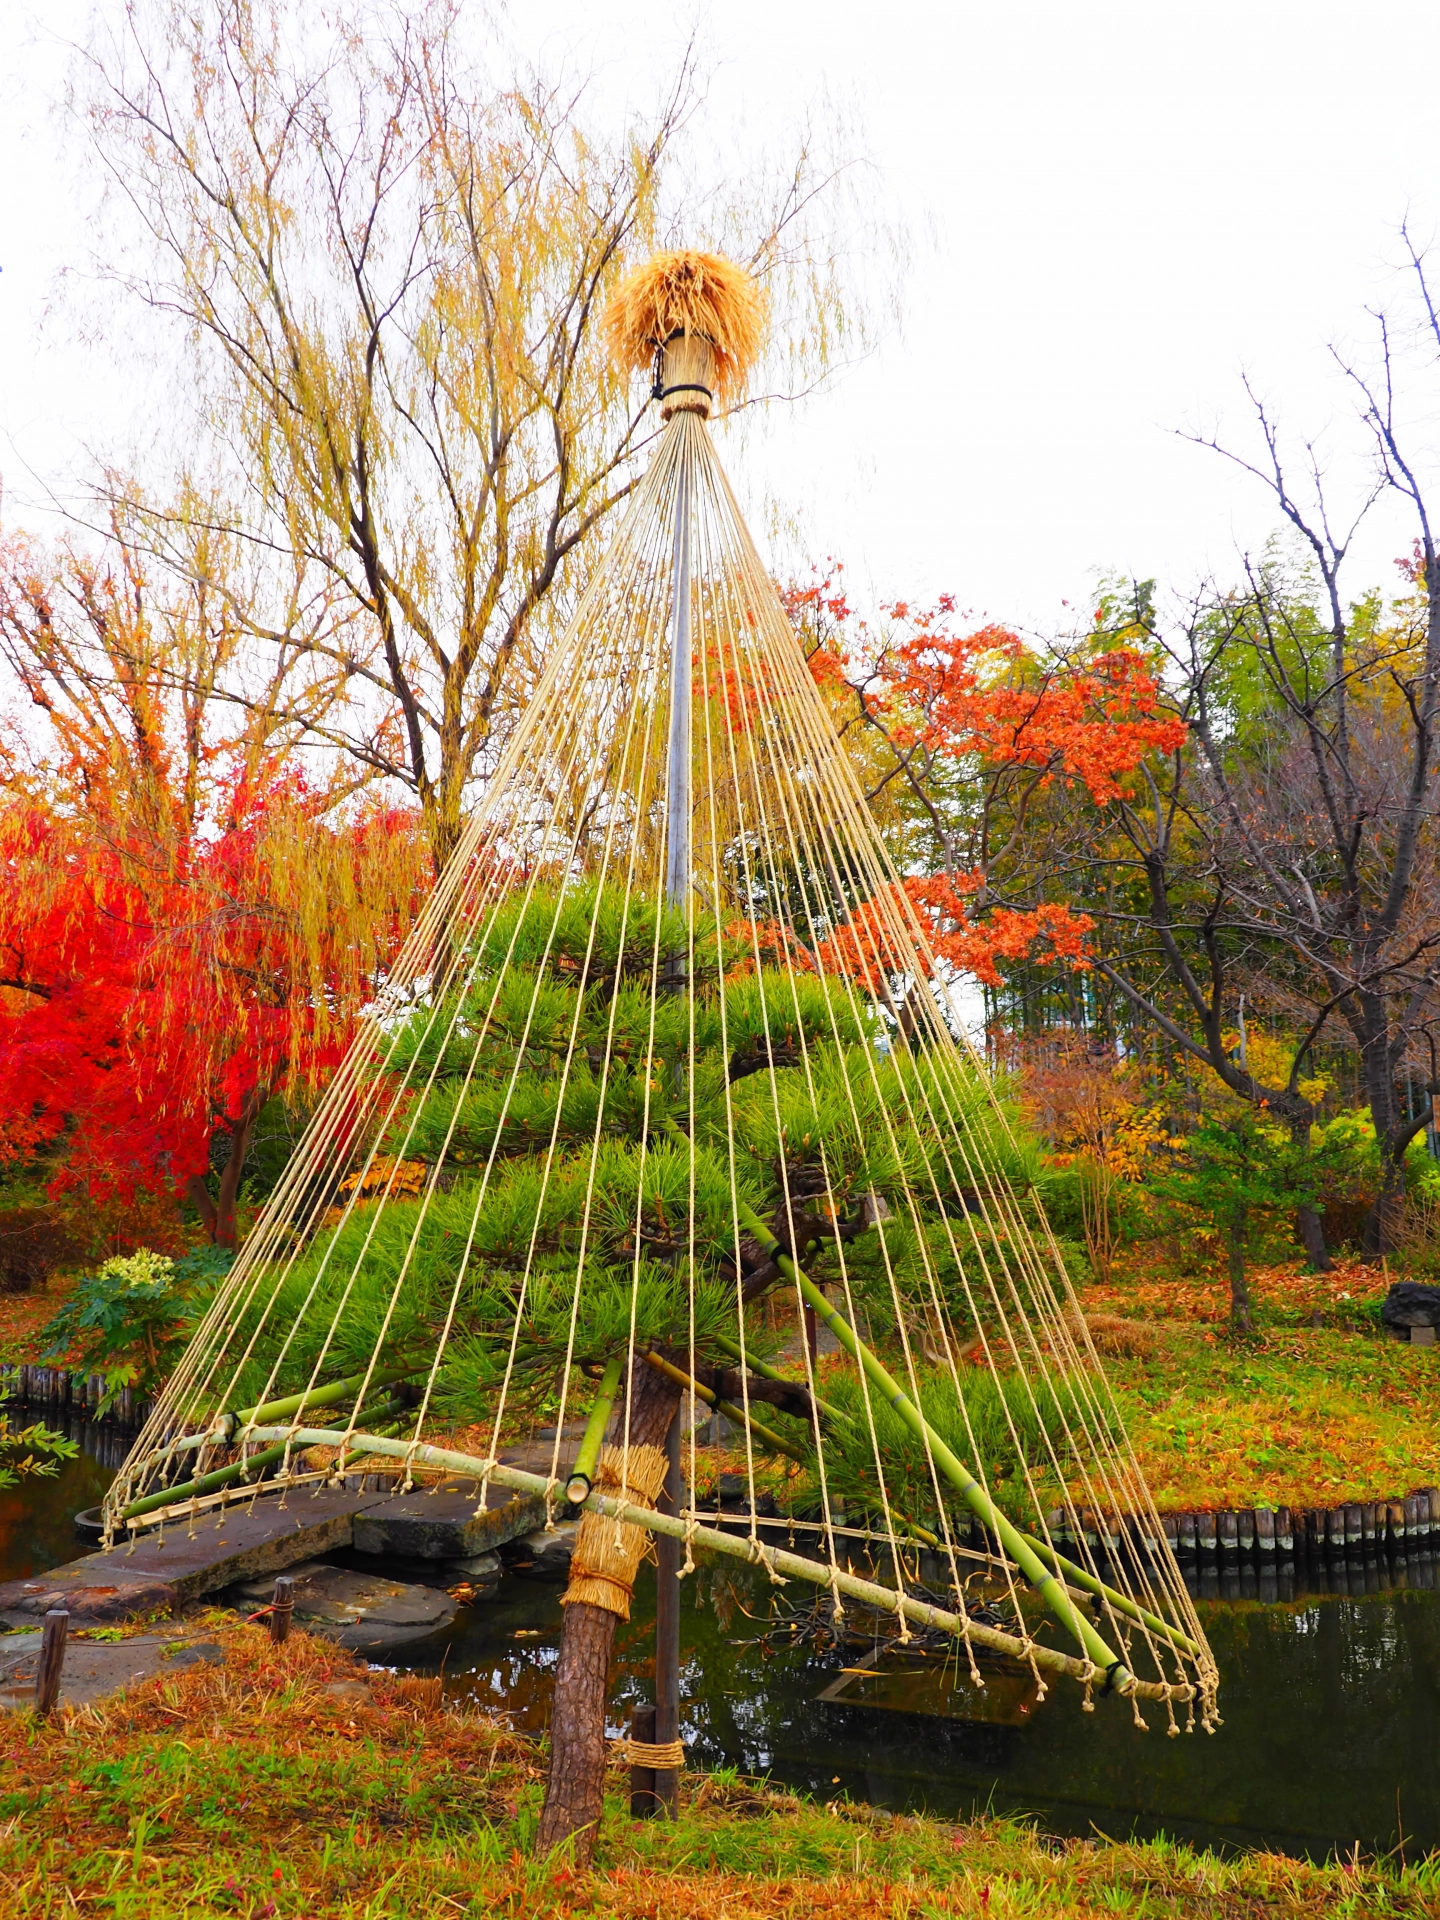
[[577, 1122]]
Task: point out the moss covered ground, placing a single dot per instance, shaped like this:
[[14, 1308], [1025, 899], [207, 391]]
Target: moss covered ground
[[284, 1784], [1315, 1408]]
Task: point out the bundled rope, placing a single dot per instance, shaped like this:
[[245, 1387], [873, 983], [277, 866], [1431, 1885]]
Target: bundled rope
[[666, 1758], [608, 1552]]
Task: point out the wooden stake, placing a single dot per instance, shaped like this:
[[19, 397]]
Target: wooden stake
[[282, 1606], [644, 1801], [52, 1661], [667, 1628]]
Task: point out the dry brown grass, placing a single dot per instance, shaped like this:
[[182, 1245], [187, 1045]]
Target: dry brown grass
[[290, 1784]]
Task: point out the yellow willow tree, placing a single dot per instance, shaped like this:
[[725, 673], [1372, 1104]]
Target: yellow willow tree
[[387, 248]]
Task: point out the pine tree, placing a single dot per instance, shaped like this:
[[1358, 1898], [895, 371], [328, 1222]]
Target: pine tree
[[571, 1223]]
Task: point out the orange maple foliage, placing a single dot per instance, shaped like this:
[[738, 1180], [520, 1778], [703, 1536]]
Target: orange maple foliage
[[1019, 721]]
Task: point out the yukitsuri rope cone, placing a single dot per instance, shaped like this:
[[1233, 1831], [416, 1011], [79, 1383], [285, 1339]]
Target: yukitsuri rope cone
[[667, 1060]]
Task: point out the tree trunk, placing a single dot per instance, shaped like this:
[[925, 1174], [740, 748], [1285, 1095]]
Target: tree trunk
[[1312, 1238], [1381, 1233], [1239, 1287], [1382, 1223], [218, 1212], [1307, 1220], [575, 1787]]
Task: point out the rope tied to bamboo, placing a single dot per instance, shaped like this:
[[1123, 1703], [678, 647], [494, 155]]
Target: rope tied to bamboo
[[607, 1551]]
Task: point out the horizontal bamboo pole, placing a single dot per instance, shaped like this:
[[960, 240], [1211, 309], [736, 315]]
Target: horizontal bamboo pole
[[737, 1547], [227, 1425], [222, 1476]]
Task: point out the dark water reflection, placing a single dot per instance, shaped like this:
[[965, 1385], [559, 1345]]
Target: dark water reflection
[[37, 1514], [1331, 1705]]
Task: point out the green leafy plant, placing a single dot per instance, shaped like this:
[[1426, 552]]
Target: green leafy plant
[[33, 1452], [131, 1320]]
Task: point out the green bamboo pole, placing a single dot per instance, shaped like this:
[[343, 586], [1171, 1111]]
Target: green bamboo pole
[[1121, 1602], [582, 1474], [741, 1547], [222, 1476], [227, 1425], [1015, 1543]]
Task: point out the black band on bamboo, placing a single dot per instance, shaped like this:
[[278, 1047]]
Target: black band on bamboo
[[1115, 1666]]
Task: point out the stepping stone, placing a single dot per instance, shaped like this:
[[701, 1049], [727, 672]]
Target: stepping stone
[[479, 1570], [546, 1556], [446, 1522], [161, 1570], [95, 1669], [362, 1611]]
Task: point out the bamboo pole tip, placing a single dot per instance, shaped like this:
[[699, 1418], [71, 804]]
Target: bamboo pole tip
[[696, 318]]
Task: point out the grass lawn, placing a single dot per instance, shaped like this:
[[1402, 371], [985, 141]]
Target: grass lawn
[[277, 1786]]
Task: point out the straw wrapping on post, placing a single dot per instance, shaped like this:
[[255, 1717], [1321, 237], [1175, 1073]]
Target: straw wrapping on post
[[687, 292], [608, 1552]]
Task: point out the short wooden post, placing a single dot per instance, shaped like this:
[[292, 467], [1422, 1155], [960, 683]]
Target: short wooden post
[[1285, 1531], [643, 1802], [667, 1630], [282, 1606], [52, 1661]]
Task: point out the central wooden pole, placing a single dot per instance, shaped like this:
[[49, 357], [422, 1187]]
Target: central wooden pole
[[677, 894]]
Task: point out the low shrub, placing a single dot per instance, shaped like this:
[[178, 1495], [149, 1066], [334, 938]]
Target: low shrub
[[130, 1320]]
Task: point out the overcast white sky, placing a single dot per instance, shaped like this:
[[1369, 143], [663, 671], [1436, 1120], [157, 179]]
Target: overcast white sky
[[1116, 209]]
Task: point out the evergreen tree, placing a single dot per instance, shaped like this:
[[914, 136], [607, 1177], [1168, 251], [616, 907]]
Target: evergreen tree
[[600, 1106]]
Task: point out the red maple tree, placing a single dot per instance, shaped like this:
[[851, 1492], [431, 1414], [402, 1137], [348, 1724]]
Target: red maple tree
[[187, 923]]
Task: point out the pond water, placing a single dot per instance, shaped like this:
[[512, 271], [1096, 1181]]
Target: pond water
[[1331, 1707], [37, 1514], [1330, 1699]]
